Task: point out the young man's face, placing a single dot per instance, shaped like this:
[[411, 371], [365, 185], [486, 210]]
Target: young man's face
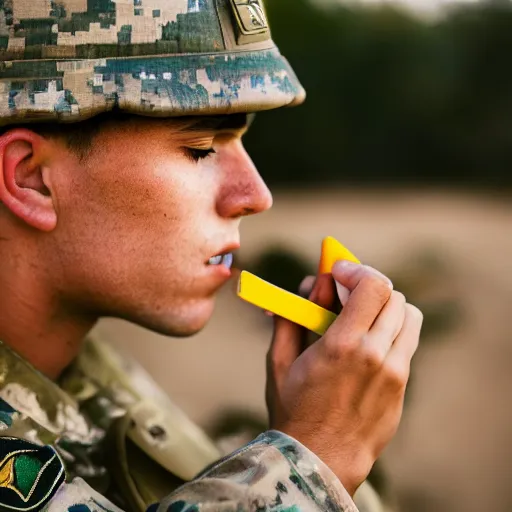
[[140, 217]]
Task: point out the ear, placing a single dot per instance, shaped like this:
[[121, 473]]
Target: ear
[[23, 189]]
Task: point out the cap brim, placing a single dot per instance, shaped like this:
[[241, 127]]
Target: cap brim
[[163, 86]]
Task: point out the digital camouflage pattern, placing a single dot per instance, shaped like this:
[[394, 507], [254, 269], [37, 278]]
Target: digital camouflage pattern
[[67, 60], [125, 446]]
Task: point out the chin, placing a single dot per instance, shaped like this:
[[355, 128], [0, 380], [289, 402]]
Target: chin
[[185, 322]]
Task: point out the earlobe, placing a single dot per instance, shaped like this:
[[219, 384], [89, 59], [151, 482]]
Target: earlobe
[[22, 185]]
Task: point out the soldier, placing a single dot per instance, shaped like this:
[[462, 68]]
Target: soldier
[[123, 181]]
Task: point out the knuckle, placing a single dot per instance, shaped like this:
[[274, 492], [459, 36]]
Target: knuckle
[[372, 358], [337, 350], [275, 361], [378, 286], [399, 297], [333, 351], [277, 364], [397, 377], [414, 313]]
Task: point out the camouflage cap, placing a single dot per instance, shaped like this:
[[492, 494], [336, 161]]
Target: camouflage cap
[[67, 60]]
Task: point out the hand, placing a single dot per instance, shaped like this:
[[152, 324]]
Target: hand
[[343, 396]]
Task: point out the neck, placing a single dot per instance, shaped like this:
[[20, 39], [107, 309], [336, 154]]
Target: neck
[[33, 322]]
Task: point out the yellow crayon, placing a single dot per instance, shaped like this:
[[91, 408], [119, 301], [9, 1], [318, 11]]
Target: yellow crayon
[[333, 251], [284, 304], [288, 305]]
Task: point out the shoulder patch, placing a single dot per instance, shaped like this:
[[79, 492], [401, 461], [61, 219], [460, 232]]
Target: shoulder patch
[[30, 475]]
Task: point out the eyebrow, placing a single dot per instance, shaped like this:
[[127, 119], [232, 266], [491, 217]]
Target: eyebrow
[[218, 123]]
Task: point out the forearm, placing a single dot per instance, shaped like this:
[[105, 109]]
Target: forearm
[[273, 473]]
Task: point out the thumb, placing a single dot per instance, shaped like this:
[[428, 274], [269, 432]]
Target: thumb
[[285, 348], [288, 339]]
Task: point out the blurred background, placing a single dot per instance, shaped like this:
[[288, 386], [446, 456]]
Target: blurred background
[[403, 152]]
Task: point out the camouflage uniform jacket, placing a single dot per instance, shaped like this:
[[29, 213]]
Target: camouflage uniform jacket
[[105, 438]]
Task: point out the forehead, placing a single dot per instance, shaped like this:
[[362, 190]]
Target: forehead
[[235, 122], [113, 124]]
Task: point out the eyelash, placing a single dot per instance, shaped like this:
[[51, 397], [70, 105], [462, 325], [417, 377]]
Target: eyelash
[[199, 154]]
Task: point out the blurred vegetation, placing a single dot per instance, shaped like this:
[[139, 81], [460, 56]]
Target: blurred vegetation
[[282, 267], [391, 98]]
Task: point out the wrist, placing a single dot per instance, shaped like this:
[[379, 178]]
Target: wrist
[[352, 468], [350, 465], [310, 468]]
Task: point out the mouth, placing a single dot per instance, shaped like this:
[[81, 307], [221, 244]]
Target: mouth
[[225, 259]]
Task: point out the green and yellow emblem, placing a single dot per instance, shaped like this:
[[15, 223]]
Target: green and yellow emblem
[[29, 474]]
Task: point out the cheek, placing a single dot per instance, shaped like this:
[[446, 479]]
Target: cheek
[[142, 211], [135, 192]]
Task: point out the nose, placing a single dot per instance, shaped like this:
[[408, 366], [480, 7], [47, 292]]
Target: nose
[[243, 191]]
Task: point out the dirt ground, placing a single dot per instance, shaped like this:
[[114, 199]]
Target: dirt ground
[[453, 451]]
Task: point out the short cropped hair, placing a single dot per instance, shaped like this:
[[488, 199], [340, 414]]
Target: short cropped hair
[[79, 136]]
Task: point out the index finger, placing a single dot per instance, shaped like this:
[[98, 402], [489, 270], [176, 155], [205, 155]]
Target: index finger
[[369, 292]]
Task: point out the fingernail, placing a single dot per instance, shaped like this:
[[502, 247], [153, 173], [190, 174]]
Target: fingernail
[[343, 293], [346, 265], [307, 285]]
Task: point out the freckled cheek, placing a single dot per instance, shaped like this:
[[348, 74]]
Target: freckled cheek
[[138, 192], [149, 204]]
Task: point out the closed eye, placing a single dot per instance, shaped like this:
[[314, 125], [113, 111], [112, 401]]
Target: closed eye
[[198, 154]]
